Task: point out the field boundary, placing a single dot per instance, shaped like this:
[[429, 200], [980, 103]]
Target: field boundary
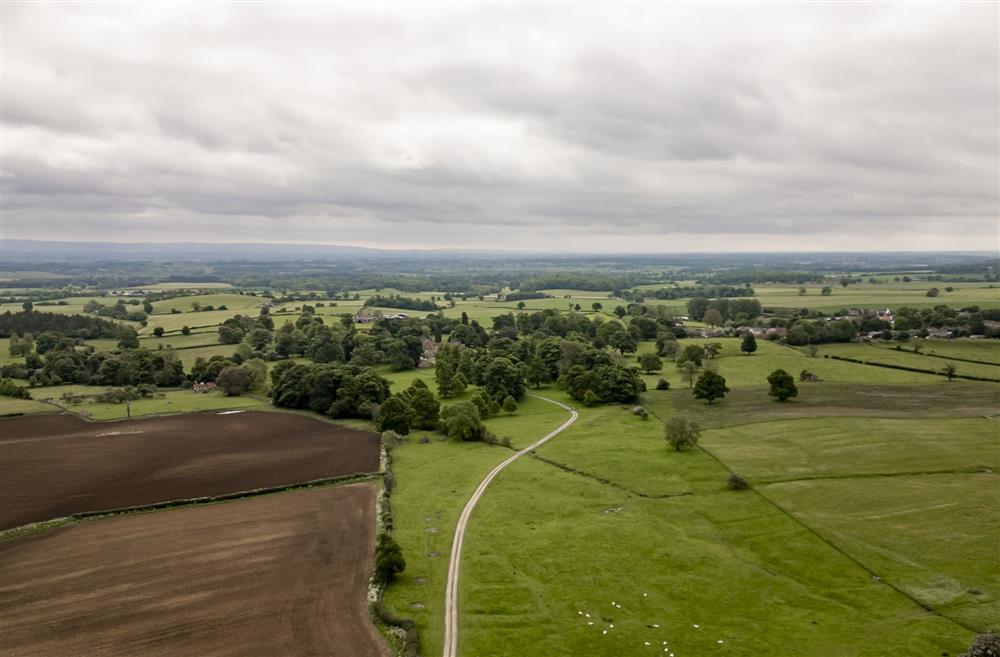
[[874, 576], [933, 355], [967, 377], [455, 560], [22, 530]]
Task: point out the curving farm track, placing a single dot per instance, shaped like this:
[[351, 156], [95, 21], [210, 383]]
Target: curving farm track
[[455, 562]]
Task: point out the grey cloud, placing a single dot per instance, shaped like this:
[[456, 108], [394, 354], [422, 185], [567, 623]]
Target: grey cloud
[[585, 126]]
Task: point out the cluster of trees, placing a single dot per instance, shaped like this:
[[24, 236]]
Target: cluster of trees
[[802, 332], [525, 296], [34, 322], [58, 359], [398, 301], [10, 389], [705, 292], [582, 281], [120, 310], [966, 321], [340, 391], [719, 311]]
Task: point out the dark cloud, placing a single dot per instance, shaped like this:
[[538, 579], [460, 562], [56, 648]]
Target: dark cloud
[[586, 127]]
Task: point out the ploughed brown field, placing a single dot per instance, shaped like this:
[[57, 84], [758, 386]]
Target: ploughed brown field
[[54, 465], [269, 576]]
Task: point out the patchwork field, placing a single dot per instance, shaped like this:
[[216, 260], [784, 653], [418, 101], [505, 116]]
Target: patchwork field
[[270, 576], [607, 514], [891, 356], [56, 465], [741, 370], [914, 500], [748, 405], [890, 294]]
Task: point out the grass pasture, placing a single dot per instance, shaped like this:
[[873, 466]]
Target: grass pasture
[[607, 512], [741, 370], [934, 536], [889, 294], [891, 356], [12, 406], [828, 447], [824, 399]]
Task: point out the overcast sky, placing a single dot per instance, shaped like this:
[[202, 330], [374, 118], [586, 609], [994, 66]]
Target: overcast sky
[[580, 127]]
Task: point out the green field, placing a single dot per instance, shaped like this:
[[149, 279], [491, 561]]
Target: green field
[[11, 406], [883, 295], [172, 401], [824, 399], [741, 370], [934, 536], [848, 446], [549, 540], [892, 356], [984, 350]]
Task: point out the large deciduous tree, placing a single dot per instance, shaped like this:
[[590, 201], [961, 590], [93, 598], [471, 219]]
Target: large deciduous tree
[[710, 386], [782, 385], [682, 432]]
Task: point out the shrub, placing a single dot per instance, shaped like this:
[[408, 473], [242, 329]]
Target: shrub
[[737, 482], [391, 439], [663, 384], [389, 560], [984, 645]]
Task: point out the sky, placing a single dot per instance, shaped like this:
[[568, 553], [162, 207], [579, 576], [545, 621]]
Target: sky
[[541, 127]]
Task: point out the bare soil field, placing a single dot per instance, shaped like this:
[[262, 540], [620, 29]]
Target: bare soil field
[[56, 465], [270, 576]]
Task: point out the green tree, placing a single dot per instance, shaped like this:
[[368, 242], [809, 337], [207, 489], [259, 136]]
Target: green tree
[[462, 421], [538, 372], [712, 350], [682, 432], [713, 317], [501, 378], [933, 292], [650, 362], [234, 380], [782, 385], [691, 354], [158, 331], [426, 410], [389, 561], [623, 341], [710, 386], [129, 339], [394, 414], [950, 371], [802, 291], [749, 344], [688, 370], [509, 405], [185, 330], [826, 291], [597, 306]]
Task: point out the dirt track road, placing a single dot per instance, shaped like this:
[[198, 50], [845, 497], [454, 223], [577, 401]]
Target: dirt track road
[[455, 563]]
